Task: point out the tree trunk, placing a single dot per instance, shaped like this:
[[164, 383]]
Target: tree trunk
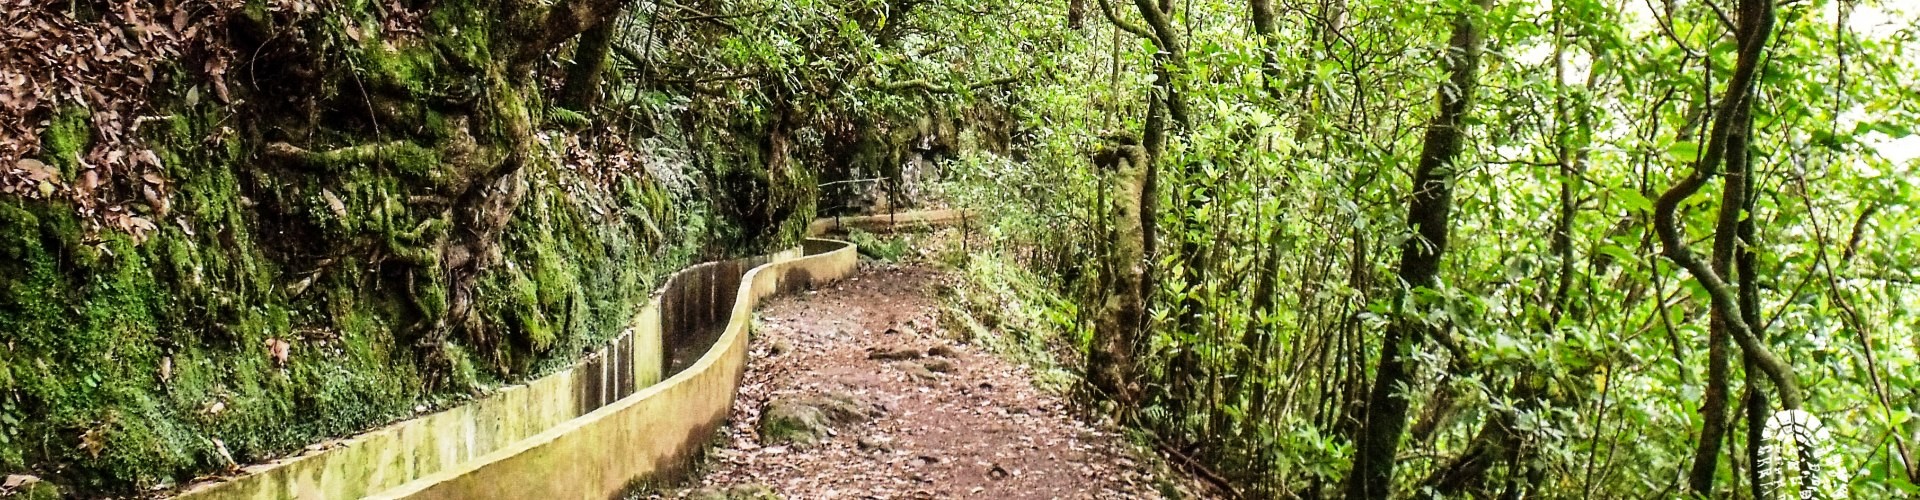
[[1713, 408], [1429, 213], [582, 89], [489, 165], [1111, 360], [1266, 29]]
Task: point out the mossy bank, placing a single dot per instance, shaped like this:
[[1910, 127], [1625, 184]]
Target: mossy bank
[[378, 212]]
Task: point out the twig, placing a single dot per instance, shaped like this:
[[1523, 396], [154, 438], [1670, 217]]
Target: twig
[[1195, 466]]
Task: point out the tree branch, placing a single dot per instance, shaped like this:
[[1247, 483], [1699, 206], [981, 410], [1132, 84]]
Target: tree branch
[[923, 85], [1106, 8], [1164, 34], [559, 23]]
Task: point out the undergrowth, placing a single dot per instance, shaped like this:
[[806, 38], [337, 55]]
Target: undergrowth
[[887, 248], [996, 304]]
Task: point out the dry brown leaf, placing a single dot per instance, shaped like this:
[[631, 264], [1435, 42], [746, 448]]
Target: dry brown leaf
[[333, 202], [93, 441], [157, 200], [36, 169], [279, 350], [15, 481]]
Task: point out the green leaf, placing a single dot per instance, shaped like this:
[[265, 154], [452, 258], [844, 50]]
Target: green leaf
[[1618, 253], [1633, 200], [1684, 151]]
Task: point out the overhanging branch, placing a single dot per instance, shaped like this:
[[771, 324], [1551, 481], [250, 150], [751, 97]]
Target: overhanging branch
[[1106, 9]]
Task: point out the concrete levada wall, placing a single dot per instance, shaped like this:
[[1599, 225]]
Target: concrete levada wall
[[589, 431], [883, 223]]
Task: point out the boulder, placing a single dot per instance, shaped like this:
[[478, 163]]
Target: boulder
[[809, 419]]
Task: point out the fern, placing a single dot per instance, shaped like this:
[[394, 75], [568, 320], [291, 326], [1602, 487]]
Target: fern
[[1797, 459], [570, 119], [1155, 413]]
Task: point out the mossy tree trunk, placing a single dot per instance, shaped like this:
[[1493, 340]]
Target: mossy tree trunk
[[582, 88], [1111, 363]]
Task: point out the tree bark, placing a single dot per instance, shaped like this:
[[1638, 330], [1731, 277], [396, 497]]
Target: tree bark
[[1746, 263], [1727, 141], [1170, 62], [553, 26], [581, 92], [1713, 407], [1429, 213], [1266, 29]]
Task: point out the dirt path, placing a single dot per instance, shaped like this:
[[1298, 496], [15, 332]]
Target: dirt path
[[945, 420]]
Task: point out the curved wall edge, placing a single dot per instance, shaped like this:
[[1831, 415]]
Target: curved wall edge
[[610, 394], [654, 433]]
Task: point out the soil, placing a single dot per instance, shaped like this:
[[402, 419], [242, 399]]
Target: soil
[[953, 421]]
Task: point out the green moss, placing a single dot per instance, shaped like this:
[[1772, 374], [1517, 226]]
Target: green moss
[[84, 344], [527, 313], [132, 365], [462, 34], [408, 67], [66, 138]]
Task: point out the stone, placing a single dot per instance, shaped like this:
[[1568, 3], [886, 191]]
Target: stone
[[893, 353], [918, 372], [938, 365], [736, 492], [27, 487], [807, 420], [876, 443]]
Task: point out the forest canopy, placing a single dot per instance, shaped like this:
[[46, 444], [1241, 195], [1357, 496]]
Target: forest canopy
[[1560, 248]]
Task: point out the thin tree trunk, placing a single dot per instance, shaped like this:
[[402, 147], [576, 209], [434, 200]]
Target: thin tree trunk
[[1267, 30], [1746, 263], [1255, 338], [1429, 213], [1726, 239], [1727, 140]]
